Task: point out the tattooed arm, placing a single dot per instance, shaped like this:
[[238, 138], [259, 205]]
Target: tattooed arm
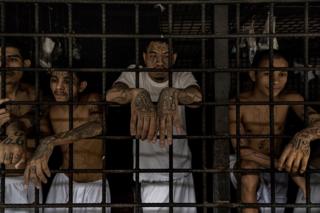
[[295, 156], [168, 114], [143, 111], [37, 167]]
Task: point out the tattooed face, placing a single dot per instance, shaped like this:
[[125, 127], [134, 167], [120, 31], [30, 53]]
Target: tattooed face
[[157, 56], [279, 78], [13, 59], [60, 83]]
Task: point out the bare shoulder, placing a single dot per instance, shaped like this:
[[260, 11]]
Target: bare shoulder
[[292, 97], [244, 96], [91, 97]]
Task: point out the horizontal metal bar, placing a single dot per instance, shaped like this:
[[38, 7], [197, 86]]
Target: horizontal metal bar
[[218, 204], [159, 36], [158, 2]]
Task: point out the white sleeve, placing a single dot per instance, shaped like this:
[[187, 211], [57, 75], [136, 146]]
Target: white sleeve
[[185, 79], [128, 78]]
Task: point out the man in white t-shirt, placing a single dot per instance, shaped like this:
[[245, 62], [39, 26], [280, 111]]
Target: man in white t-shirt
[[167, 118]]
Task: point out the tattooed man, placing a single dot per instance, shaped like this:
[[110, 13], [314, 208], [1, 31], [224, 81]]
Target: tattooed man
[[87, 153], [295, 158], [255, 119], [16, 122], [167, 117]]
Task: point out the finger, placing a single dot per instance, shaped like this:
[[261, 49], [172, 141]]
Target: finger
[[296, 163], [33, 176], [16, 158], [304, 164], [284, 157], [169, 128], [145, 127], [26, 177], [139, 127], [133, 123], [40, 173], [1, 155], [21, 162], [8, 158], [162, 131], [45, 168], [152, 128], [290, 161], [178, 125]]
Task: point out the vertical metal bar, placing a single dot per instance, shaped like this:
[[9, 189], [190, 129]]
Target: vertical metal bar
[[271, 107], [105, 109], [37, 113], [71, 105], [3, 95], [171, 170], [238, 136], [221, 90], [306, 89], [204, 109], [137, 196]]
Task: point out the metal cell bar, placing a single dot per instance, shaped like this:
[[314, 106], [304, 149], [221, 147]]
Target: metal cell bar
[[137, 194], [37, 91], [306, 89], [204, 109], [171, 170], [3, 95], [216, 2], [72, 99], [105, 108], [157, 36]]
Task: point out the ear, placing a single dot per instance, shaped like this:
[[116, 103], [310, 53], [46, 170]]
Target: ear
[[144, 55], [252, 75], [26, 63], [174, 58], [83, 85]]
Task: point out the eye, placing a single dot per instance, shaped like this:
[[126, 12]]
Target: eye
[[53, 80], [283, 74], [265, 74], [13, 59]]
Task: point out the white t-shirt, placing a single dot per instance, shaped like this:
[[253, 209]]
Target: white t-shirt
[[152, 156]]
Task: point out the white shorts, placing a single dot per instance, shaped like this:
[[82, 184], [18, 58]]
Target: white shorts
[[82, 193], [158, 192], [15, 193], [264, 190], [314, 194]]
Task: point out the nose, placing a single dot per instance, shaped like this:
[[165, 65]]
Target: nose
[[60, 85], [159, 61], [275, 78]]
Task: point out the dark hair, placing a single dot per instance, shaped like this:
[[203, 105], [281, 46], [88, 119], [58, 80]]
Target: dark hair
[[265, 55], [19, 44], [63, 62], [147, 42]]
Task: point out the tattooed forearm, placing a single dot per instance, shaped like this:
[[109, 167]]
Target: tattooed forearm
[[189, 95], [17, 137], [143, 102]]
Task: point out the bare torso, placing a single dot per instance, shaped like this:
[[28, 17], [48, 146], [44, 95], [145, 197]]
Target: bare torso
[[256, 120], [87, 153], [24, 92]]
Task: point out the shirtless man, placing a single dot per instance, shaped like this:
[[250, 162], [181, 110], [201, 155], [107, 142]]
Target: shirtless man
[[87, 153], [171, 120], [17, 121], [254, 120]]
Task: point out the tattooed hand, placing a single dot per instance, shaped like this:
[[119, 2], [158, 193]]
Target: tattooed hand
[[37, 167], [12, 149], [168, 115], [143, 116], [296, 154], [4, 113]]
